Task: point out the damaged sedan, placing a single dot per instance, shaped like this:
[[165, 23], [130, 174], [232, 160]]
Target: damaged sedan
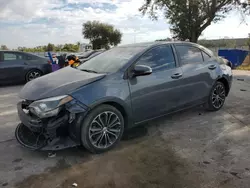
[[92, 105]]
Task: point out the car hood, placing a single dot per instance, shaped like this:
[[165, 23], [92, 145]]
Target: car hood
[[61, 82]]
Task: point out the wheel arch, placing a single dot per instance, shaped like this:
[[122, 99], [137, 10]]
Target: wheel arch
[[226, 84], [119, 105], [113, 101]]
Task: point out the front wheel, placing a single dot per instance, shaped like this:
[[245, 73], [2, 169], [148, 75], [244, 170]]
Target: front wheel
[[102, 129], [217, 97]]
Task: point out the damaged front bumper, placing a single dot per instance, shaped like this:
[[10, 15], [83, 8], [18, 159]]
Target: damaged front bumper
[[53, 133]]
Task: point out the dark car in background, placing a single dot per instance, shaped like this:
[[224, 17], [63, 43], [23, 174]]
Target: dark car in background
[[85, 56], [18, 66], [93, 104], [90, 56]]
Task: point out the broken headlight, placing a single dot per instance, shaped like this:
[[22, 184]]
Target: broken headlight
[[49, 107]]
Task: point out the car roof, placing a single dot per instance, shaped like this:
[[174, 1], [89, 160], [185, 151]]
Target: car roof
[[15, 51], [156, 43], [25, 53]]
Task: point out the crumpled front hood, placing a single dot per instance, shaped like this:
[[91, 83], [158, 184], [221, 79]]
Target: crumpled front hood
[[61, 82]]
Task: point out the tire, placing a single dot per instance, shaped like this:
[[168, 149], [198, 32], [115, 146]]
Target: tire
[[98, 136], [33, 74], [217, 97], [22, 136]]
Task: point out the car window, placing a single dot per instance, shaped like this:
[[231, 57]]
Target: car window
[[158, 58], [189, 54], [9, 56], [28, 57], [206, 57]]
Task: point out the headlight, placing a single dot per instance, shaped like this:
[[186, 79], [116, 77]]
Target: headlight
[[49, 107]]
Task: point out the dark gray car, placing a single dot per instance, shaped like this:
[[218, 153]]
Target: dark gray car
[[21, 67], [116, 90]]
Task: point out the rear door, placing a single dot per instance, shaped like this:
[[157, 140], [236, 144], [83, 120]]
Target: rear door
[[12, 66], [198, 73], [154, 95]]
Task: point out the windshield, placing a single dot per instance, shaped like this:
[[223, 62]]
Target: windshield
[[111, 60]]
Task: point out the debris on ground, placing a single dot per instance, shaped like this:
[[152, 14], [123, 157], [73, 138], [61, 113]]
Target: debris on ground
[[17, 160], [236, 174], [4, 184], [206, 162], [52, 154], [241, 79], [74, 184], [243, 90]]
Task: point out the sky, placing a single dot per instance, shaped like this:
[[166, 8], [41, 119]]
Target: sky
[[32, 23]]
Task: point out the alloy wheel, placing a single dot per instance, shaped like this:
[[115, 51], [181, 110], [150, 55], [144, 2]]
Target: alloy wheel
[[33, 75], [218, 96], [105, 129]]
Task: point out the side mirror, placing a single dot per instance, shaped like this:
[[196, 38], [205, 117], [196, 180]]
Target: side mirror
[[142, 70]]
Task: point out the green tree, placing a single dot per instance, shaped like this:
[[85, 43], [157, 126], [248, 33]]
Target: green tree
[[167, 39], [58, 47], [248, 42], [189, 18], [101, 35], [70, 48], [50, 47], [230, 43], [4, 47]]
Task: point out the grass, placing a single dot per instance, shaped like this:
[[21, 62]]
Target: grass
[[243, 67]]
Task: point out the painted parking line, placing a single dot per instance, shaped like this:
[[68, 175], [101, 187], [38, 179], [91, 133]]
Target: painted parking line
[[9, 95], [2, 106], [8, 112]]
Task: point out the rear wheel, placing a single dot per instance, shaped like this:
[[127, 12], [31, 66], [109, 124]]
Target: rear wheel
[[102, 129], [217, 97], [33, 74]]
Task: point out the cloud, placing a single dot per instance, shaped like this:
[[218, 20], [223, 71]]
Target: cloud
[[38, 22]]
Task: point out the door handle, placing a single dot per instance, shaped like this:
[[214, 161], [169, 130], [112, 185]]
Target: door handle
[[176, 76], [212, 67]]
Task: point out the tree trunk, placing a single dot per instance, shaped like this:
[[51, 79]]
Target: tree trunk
[[194, 36]]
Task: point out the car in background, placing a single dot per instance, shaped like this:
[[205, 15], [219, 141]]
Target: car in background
[[16, 66], [84, 56], [93, 104], [96, 53]]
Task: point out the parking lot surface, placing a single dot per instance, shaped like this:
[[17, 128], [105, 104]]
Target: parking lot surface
[[194, 148]]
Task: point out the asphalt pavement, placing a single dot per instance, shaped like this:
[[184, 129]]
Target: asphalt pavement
[[186, 130]]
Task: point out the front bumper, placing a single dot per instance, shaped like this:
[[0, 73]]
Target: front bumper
[[54, 133]]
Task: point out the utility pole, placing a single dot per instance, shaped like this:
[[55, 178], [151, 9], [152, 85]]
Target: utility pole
[[249, 44], [134, 36]]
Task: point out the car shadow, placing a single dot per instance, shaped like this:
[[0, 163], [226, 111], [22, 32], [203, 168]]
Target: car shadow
[[12, 84]]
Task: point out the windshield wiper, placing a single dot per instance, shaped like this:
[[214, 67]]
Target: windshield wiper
[[86, 70]]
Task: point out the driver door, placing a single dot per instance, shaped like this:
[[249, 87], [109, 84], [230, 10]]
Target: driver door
[[158, 93]]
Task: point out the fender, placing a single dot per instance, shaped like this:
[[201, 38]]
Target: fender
[[124, 105]]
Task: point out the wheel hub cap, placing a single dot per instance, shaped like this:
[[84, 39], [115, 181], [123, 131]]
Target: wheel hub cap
[[218, 96], [105, 129]]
